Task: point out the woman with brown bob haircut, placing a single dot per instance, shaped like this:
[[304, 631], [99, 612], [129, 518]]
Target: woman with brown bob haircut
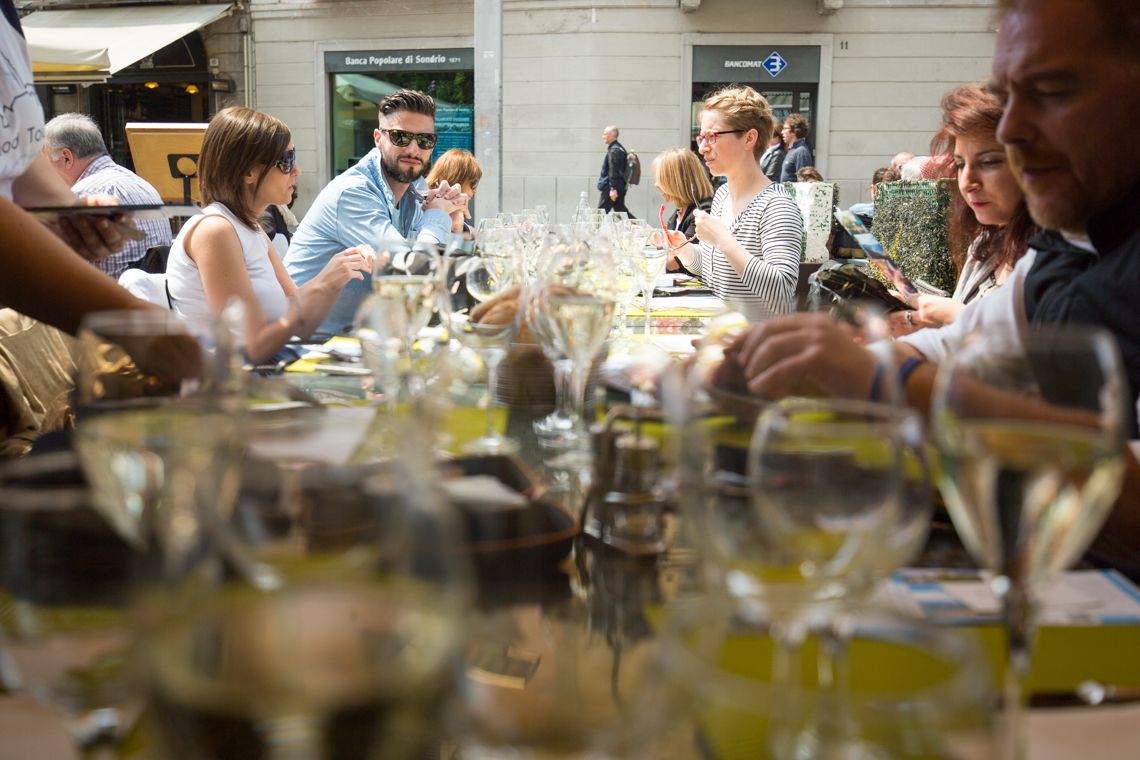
[[457, 167], [683, 183], [247, 162], [752, 238], [990, 226]]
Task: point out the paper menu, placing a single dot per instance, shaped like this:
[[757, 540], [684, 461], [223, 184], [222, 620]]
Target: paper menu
[[956, 597], [874, 250]]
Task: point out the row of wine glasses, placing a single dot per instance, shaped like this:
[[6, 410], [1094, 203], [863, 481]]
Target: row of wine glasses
[[807, 508]]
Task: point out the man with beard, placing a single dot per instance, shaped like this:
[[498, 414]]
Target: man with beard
[[1068, 75], [376, 200]]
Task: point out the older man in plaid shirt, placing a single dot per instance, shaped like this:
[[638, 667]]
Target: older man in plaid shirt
[[74, 144]]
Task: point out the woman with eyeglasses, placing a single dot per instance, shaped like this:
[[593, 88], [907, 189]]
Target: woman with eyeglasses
[[458, 168], [248, 162], [752, 237], [682, 182]]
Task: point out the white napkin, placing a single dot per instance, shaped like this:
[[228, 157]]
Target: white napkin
[[332, 438]]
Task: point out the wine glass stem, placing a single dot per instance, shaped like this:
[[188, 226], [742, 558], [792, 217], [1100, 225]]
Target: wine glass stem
[[578, 399], [563, 395], [491, 360], [622, 331], [1019, 630], [833, 723], [787, 644], [648, 311]]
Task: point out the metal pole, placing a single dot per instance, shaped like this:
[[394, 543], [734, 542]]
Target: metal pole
[[489, 105]]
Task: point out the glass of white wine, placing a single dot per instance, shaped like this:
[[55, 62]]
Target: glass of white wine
[[481, 299], [1031, 426], [352, 656], [575, 300], [628, 283], [66, 583], [410, 282]]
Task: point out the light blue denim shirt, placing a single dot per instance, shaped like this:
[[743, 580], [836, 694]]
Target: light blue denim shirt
[[358, 208]]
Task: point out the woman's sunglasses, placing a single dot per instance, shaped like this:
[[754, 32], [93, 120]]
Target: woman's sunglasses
[[402, 139], [288, 161]]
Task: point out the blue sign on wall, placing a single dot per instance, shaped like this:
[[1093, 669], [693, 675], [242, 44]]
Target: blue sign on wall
[[774, 64]]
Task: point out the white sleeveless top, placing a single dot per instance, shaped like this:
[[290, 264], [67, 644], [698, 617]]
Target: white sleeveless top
[[21, 117], [185, 281]]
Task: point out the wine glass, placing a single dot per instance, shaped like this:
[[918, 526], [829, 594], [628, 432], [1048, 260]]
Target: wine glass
[[1031, 426], [149, 357], [826, 481], [410, 284], [552, 428], [479, 299], [649, 260], [352, 655], [66, 582], [585, 674], [919, 691], [628, 283], [543, 213], [381, 327], [575, 303]]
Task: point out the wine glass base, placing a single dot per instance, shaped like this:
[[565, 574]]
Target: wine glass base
[[491, 446], [575, 459], [809, 746], [553, 425], [624, 345]]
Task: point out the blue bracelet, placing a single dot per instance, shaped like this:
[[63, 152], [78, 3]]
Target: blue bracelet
[[904, 374], [877, 383]]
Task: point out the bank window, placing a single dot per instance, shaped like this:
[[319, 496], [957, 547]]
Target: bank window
[[784, 101], [356, 97]]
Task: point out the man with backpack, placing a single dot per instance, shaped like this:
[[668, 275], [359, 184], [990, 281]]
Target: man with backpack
[[613, 182]]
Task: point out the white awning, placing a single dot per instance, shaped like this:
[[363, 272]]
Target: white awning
[[51, 56], [101, 41]]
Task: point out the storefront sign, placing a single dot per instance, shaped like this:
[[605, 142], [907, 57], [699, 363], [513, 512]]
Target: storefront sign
[[743, 63], [433, 59]]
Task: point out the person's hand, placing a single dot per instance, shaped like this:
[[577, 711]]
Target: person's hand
[[613, 195], [457, 220], [95, 238], [350, 264], [929, 311], [710, 229], [781, 356], [676, 238], [447, 198]]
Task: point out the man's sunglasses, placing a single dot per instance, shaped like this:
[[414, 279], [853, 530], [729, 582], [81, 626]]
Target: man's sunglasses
[[402, 139], [288, 161]]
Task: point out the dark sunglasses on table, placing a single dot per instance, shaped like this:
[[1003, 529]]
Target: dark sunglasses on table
[[402, 139], [287, 162]]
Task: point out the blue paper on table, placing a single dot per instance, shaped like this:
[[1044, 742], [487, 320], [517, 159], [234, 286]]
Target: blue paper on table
[[874, 250]]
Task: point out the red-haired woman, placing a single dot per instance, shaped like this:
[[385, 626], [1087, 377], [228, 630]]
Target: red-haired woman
[[989, 222]]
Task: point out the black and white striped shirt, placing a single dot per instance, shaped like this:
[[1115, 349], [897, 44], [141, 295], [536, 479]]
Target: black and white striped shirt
[[772, 230]]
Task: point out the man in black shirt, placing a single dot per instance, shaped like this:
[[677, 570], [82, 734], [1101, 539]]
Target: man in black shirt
[[1068, 75], [612, 181]]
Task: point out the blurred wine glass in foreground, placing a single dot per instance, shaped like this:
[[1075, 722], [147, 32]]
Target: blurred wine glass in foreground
[[1031, 426], [66, 583], [352, 655]]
